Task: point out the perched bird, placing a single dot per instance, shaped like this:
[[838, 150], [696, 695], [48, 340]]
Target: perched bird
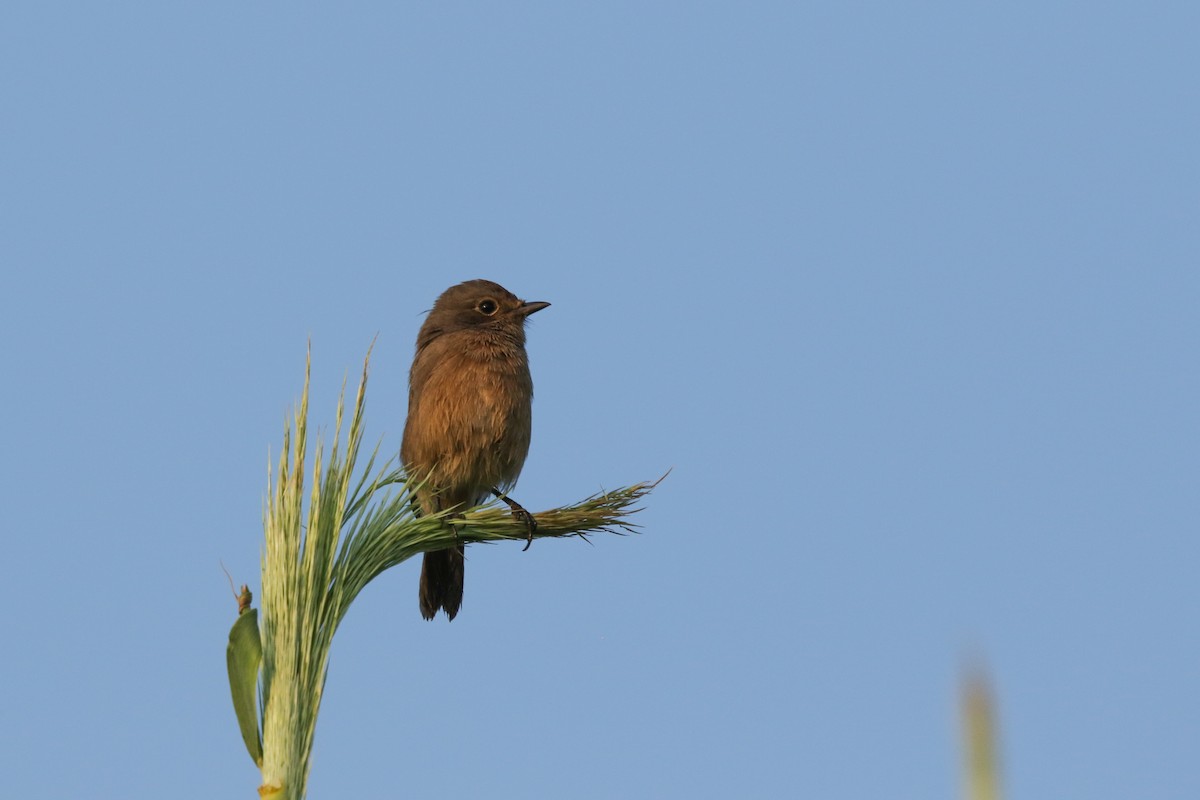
[[469, 417]]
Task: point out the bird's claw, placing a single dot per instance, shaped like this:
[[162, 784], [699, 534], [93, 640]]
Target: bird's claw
[[519, 513], [530, 522]]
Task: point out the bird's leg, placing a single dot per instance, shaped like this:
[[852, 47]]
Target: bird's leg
[[519, 513], [453, 515]]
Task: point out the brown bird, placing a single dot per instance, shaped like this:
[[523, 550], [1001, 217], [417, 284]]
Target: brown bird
[[469, 417]]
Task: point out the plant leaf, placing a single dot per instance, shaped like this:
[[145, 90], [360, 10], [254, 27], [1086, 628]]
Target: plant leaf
[[243, 657]]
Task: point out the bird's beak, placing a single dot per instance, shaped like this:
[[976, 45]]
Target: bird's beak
[[528, 308]]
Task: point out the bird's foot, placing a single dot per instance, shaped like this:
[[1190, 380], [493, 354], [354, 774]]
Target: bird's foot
[[519, 513]]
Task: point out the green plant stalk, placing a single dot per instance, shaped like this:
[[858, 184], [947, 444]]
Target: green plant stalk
[[315, 564]]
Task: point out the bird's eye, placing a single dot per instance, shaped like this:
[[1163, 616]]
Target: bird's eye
[[487, 306]]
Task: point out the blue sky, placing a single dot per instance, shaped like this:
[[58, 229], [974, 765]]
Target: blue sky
[[905, 294]]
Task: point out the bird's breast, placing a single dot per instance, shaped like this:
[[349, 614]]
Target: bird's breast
[[469, 420]]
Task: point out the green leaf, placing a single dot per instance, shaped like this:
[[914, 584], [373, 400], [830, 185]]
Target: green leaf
[[243, 656]]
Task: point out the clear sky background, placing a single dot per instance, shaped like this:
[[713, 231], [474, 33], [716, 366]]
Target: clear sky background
[[906, 294]]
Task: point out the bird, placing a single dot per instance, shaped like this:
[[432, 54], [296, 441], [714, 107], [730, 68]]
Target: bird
[[470, 397]]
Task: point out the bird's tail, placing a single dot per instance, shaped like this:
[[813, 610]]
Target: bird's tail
[[442, 582]]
